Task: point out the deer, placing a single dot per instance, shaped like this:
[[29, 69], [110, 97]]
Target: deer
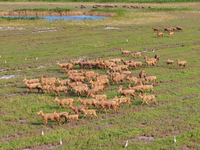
[[89, 112], [155, 29], [31, 81], [49, 116], [71, 117], [170, 62], [63, 102], [125, 52], [146, 98], [181, 63], [77, 109], [62, 65], [159, 34], [127, 92], [87, 101], [125, 100], [137, 54]]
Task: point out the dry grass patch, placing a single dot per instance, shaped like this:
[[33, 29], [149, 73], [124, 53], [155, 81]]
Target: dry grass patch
[[130, 19], [146, 18]]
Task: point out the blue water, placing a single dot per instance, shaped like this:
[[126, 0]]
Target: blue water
[[75, 18]]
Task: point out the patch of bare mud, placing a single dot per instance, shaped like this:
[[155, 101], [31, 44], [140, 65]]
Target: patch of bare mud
[[48, 146], [9, 76], [146, 139], [113, 28], [11, 28]]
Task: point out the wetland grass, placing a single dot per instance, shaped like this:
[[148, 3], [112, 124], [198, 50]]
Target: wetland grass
[[177, 89]]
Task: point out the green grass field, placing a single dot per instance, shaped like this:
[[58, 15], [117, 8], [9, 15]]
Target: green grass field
[[106, 1], [144, 127]]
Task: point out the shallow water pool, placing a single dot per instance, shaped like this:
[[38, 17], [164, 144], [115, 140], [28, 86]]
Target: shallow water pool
[[53, 18]]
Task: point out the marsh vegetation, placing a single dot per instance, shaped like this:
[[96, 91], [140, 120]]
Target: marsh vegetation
[[26, 45]]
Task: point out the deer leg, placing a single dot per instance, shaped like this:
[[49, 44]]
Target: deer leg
[[27, 91], [116, 109], [77, 121], [58, 120], [95, 105], [96, 115], [147, 104], [45, 122], [84, 116], [101, 109], [66, 93], [147, 81], [142, 103], [129, 104], [156, 81], [155, 102]]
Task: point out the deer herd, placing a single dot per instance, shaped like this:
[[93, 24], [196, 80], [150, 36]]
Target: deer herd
[[92, 85], [169, 30]]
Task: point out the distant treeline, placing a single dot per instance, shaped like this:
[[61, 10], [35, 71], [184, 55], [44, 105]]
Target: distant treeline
[[104, 1]]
